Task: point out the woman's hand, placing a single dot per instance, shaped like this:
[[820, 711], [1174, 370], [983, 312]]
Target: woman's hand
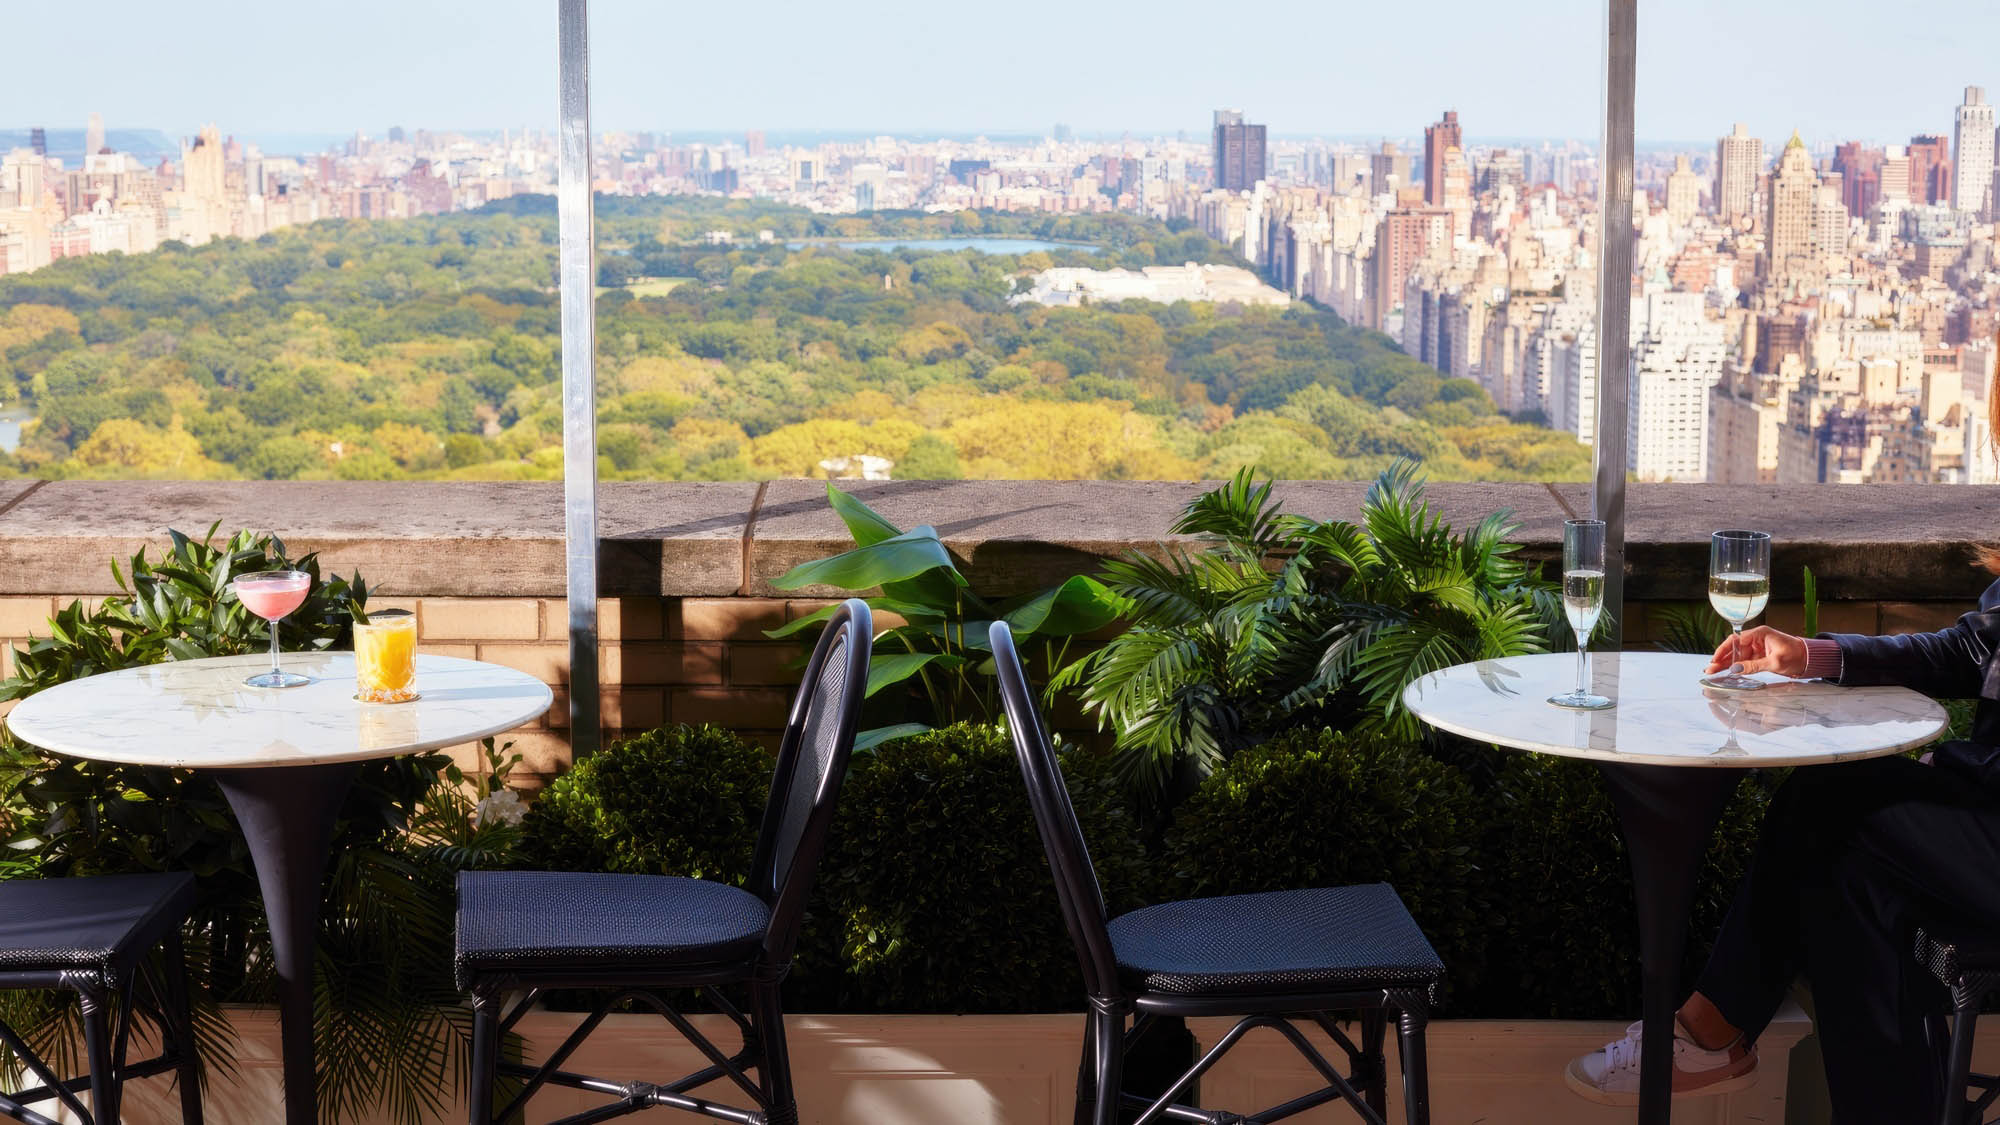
[[1764, 649]]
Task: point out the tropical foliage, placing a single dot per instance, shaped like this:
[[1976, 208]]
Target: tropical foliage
[[1285, 621], [938, 653], [391, 1026], [426, 348]]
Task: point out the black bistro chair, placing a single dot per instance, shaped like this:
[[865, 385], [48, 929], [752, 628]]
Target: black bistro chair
[[634, 938], [1968, 965], [1272, 960], [94, 936]]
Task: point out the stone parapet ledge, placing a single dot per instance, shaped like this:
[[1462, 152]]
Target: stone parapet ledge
[[708, 540]]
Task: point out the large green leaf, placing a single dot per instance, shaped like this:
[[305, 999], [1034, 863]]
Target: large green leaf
[[895, 559], [887, 669], [864, 523], [903, 609], [1080, 605], [866, 741]]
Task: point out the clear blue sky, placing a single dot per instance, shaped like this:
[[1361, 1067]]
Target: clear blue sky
[[1833, 68]]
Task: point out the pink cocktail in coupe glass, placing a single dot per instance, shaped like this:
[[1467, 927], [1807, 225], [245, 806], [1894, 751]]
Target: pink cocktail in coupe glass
[[271, 595]]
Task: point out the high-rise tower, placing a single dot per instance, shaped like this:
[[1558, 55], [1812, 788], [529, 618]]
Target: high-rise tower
[[1239, 151], [1972, 154], [1739, 157], [1438, 140], [1788, 227], [1683, 193], [93, 135]]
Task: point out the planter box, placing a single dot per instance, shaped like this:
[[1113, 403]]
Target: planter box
[[1021, 1070]]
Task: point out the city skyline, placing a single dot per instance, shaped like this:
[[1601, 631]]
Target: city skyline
[[827, 72]]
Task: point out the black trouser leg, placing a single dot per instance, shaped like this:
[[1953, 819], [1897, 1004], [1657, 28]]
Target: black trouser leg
[[1812, 821]]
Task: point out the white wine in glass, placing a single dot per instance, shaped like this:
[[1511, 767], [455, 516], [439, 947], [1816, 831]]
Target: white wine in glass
[[1583, 604], [1739, 587]]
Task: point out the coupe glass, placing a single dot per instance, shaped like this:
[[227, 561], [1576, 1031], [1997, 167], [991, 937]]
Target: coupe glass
[[1739, 586], [272, 595], [1583, 603]]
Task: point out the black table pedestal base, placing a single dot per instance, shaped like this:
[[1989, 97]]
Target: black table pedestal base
[[287, 814], [1667, 814]]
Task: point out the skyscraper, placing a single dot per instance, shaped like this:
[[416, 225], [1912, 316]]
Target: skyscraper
[[1930, 169], [1972, 154], [1739, 157], [753, 142], [1860, 177], [1387, 169], [1401, 240], [1239, 151], [38, 140], [1683, 193], [1439, 139], [1788, 226], [93, 135]]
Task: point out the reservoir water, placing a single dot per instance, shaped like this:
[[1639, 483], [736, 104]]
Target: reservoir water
[[10, 428]]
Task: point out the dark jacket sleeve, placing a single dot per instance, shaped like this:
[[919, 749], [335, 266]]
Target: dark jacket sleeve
[[1948, 664]]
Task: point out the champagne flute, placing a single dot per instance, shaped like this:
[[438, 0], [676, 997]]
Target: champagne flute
[[1739, 586], [272, 595], [1583, 603]]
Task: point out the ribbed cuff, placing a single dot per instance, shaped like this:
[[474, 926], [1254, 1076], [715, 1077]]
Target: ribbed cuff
[[1823, 659]]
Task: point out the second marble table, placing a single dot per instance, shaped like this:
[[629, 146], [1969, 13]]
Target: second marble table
[[285, 758], [1671, 751]]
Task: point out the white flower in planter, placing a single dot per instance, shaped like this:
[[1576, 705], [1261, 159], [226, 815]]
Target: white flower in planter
[[502, 805]]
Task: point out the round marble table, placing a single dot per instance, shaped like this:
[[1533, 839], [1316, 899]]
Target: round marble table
[[1671, 751], [284, 757]]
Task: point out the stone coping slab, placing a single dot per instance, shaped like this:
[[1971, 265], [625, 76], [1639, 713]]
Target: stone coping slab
[[695, 539]]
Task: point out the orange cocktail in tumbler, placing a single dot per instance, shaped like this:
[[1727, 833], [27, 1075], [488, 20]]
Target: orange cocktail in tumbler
[[385, 657]]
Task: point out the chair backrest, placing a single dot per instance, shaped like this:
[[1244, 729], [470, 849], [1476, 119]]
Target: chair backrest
[[1055, 818], [812, 762]]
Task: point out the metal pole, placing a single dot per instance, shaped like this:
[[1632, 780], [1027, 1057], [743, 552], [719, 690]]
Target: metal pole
[[1614, 298], [578, 273]]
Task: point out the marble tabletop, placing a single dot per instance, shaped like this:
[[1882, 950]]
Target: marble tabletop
[[199, 714], [1664, 716]]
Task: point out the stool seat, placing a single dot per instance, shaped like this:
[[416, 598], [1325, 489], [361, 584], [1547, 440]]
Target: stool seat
[[103, 923]]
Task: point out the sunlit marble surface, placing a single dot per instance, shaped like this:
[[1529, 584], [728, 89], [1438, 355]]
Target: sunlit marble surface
[[199, 714], [1664, 716]]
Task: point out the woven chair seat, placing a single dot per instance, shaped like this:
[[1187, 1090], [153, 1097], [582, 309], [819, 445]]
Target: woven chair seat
[[103, 923], [1960, 959], [1332, 938], [518, 922]]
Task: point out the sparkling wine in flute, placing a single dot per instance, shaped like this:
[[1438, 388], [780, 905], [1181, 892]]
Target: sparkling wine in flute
[[1739, 597], [1583, 604], [1739, 586], [1583, 599]]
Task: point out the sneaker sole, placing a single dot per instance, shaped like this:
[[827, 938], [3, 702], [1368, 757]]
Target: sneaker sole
[[1588, 1092]]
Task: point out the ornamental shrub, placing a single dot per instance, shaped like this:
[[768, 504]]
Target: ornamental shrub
[[680, 800], [936, 887], [1320, 808], [1565, 936]]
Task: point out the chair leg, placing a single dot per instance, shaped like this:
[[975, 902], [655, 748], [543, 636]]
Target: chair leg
[[1086, 1072], [775, 1068], [1374, 1030], [1416, 1072], [485, 1057], [1107, 1043], [95, 1005], [179, 1016], [1963, 1023]]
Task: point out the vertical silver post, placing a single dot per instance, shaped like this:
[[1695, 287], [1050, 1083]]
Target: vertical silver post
[[1614, 298], [578, 273]]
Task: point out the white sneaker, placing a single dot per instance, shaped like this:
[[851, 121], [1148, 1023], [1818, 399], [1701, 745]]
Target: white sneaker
[[1610, 1076]]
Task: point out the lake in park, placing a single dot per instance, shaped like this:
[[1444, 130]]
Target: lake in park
[[983, 245]]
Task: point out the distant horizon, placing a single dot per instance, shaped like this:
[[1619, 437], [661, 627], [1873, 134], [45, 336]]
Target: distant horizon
[[314, 142]]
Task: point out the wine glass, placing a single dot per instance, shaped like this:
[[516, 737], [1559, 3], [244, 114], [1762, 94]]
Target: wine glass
[[1583, 603], [271, 595], [1739, 586]]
